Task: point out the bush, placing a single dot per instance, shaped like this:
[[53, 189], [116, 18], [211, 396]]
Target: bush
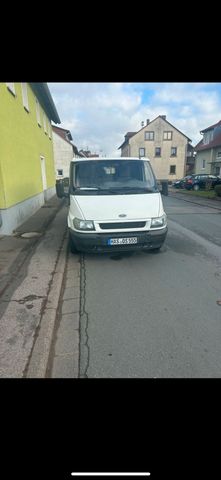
[[218, 190]]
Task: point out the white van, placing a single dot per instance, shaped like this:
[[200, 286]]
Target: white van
[[115, 205]]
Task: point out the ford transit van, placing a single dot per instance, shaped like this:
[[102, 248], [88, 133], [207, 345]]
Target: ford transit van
[[115, 205]]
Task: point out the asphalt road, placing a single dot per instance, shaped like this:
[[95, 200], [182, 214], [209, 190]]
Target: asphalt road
[[156, 315]]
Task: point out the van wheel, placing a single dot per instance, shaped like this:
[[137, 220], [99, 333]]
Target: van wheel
[[155, 250], [72, 247]]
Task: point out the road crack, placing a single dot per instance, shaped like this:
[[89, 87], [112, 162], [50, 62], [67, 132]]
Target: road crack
[[84, 323]]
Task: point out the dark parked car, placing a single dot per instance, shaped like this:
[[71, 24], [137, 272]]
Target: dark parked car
[[202, 181], [181, 183]]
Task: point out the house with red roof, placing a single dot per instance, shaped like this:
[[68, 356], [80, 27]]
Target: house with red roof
[[208, 150]]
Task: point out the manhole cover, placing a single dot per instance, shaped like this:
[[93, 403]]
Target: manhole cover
[[30, 234]]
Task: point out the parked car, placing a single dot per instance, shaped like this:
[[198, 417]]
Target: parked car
[[115, 205], [202, 181], [180, 183]]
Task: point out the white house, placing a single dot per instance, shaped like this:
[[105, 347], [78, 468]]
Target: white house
[[64, 151]]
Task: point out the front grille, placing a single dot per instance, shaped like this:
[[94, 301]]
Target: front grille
[[118, 225]]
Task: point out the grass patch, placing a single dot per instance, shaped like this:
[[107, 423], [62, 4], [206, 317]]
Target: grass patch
[[202, 193], [199, 193]]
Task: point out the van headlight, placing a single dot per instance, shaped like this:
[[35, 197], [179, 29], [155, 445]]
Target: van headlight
[[158, 222], [83, 224]]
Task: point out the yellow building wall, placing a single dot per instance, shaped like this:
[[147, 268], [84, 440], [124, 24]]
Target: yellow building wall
[[22, 142], [2, 197]]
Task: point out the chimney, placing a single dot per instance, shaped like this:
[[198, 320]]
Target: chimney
[[142, 124], [148, 121], [163, 117]]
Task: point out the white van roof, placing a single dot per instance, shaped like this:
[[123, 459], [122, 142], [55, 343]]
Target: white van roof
[[86, 159]]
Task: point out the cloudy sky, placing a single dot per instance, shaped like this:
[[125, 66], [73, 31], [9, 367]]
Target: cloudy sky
[[99, 114]]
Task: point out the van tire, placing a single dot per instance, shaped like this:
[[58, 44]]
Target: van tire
[[72, 247], [155, 250]]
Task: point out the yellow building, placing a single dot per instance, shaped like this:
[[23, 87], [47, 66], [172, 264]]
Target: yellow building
[[27, 172]]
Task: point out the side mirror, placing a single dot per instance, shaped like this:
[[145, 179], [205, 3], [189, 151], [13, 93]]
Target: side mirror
[[164, 190], [62, 190], [66, 186]]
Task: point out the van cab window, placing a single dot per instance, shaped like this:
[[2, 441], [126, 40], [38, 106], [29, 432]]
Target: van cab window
[[112, 176]]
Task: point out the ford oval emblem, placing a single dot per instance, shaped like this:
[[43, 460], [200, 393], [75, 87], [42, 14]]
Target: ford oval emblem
[[122, 215]]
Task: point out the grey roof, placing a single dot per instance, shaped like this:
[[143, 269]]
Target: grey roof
[[127, 136], [43, 94]]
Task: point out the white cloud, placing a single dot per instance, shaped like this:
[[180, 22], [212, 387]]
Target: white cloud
[[190, 106], [99, 114]]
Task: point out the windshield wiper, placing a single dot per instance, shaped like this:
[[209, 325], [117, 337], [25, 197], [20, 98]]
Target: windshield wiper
[[117, 190], [136, 189], [98, 189]]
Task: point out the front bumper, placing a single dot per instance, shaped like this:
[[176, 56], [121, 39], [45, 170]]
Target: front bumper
[[94, 242]]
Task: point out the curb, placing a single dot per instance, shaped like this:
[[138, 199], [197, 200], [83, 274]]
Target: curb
[[216, 207], [65, 347], [38, 362]]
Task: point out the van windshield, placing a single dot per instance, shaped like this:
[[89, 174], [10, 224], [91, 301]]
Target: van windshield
[[108, 177]]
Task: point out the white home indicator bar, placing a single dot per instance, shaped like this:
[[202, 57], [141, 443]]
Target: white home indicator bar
[[110, 474]]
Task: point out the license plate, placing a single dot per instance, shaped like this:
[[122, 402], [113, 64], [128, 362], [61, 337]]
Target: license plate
[[121, 241]]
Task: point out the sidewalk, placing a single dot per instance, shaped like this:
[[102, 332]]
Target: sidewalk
[[31, 276], [213, 203], [14, 246]]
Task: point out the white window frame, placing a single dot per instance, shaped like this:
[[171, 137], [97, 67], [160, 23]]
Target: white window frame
[[44, 122], [43, 173], [173, 154], [141, 148], [24, 90], [11, 87], [203, 164], [218, 154], [49, 129], [166, 135], [149, 134], [38, 112]]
